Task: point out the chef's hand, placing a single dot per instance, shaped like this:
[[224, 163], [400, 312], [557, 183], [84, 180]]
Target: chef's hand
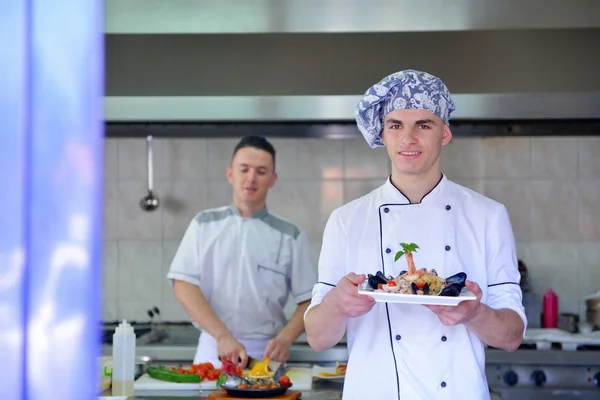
[[278, 349], [230, 349], [344, 298], [461, 313]]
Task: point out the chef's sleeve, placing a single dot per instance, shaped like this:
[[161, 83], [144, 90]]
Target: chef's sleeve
[[504, 290], [186, 263], [332, 260], [304, 270]]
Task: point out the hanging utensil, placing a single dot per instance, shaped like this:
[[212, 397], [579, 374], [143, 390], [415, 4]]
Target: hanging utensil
[[150, 202]]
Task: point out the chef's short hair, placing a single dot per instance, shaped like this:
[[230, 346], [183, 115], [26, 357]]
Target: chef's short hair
[[257, 142]]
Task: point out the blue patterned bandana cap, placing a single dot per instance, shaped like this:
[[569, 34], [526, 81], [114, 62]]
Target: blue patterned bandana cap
[[404, 90]]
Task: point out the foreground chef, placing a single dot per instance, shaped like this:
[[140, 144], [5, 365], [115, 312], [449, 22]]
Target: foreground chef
[[237, 264], [409, 352]]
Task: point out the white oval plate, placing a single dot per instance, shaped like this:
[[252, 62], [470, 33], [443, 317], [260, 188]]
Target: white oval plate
[[384, 297]]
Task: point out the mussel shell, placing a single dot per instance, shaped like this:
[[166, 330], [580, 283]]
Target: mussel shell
[[452, 290], [382, 277], [416, 289], [459, 278], [373, 281], [403, 272]]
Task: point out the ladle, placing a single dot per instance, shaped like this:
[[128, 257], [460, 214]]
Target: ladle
[[150, 202]]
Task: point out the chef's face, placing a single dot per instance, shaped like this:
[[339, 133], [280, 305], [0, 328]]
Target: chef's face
[[251, 174], [414, 140]]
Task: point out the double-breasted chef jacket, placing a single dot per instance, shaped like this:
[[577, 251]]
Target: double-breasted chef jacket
[[246, 269], [403, 351]]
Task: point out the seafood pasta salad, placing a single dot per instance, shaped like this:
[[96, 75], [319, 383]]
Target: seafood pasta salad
[[417, 281]]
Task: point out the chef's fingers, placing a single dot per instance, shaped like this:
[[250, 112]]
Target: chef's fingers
[[474, 287], [243, 357], [356, 279]]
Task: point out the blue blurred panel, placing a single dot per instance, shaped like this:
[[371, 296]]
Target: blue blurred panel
[[65, 231], [13, 134]]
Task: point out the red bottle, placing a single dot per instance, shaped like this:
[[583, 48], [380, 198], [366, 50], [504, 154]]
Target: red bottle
[[550, 310]]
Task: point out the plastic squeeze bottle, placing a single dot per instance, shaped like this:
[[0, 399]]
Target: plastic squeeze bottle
[[550, 309], [123, 360]]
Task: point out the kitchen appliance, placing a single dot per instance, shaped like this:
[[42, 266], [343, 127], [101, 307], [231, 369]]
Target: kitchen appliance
[[550, 364], [150, 201]]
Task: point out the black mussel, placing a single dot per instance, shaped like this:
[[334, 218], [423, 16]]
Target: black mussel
[[459, 278], [382, 277], [416, 289], [373, 281], [403, 272], [452, 290]]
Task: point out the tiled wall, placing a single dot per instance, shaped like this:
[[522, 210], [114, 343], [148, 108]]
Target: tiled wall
[[551, 187]]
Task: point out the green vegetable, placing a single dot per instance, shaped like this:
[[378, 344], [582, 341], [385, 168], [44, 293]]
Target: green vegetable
[[165, 374], [407, 249], [221, 380]]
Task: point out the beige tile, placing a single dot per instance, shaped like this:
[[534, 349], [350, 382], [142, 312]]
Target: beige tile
[[555, 265], [554, 157], [524, 251], [353, 189], [462, 158], [589, 194], [110, 289], [140, 278], [320, 159], [555, 211], [171, 309], [284, 201], [135, 223], [111, 209], [363, 162], [287, 157], [506, 157], [183, 199], [517, 198], [133, 159], [219, 193], [316, 201], [185, 158], [110, 270], [219, 152], [589, 162], [589, 264], [111, 156]]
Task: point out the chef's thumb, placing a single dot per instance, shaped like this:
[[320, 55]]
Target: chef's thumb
[[356, 279]]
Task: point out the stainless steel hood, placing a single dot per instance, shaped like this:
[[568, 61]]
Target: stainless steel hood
[[308, 61]]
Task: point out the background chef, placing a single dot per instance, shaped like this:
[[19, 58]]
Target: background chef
[[415, 351], [237, 264]]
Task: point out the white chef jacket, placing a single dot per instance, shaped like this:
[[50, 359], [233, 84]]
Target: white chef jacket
[[246, 268], [400, 351]]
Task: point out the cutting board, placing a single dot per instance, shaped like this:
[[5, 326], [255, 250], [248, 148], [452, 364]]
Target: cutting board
[[301, 378], [221, 394], [146, 382]]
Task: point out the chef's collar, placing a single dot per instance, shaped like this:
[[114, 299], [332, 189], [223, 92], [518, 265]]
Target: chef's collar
[[258, 214], [396, 195]]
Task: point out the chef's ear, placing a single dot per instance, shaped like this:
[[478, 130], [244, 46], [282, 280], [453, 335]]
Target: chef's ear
[[229, 173], [446, 135], [273, 179]]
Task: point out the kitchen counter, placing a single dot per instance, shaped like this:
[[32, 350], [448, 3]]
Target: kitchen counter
[[322, 390]]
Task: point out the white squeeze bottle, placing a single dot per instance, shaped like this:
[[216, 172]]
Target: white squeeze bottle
[[123, 369]]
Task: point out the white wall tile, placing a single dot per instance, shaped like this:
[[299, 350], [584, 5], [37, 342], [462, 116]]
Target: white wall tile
[[353, 189], [517, 198], [506, 157], [554, 158], [111, 156], [183, 199], [555, 207], [171, 309], [589, 162], [316, 201], [589, 194], [363, 162], [462, 158], [133, 159], [139, 278], [184, 159], [135, 223], [110, 287], [111, 209], [219, 156], [320, 159]]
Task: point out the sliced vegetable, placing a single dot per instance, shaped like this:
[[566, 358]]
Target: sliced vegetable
[[168, 375]]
